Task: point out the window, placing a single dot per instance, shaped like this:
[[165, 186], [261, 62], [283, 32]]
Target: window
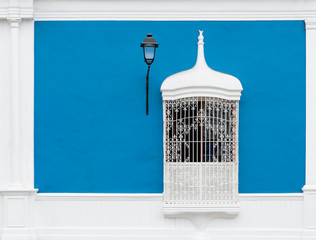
[[201, 109], [201, 160]]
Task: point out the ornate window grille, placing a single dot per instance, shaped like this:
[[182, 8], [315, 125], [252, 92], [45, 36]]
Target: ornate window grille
[[201, 109], [201, 151]]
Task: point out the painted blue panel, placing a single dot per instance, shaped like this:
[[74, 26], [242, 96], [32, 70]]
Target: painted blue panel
[[91, 131]]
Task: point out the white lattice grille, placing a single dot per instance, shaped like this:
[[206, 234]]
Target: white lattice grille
[[201, 155]]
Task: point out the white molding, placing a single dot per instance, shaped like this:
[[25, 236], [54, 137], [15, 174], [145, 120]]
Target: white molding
[[24, 13], [271, 196], [15, 168], [202, 216], [310, 182], [98, 197], [160, 10], [18, 102], [69, 213], [18, 217], [183, 92], [139, 216], [171, 16], [309, 189], [310, 24], [13, 192], [309, 208], [167, 234], [15, 9], [174, 10], [27, 102], [156, 197], [16, 186], [5, 105]]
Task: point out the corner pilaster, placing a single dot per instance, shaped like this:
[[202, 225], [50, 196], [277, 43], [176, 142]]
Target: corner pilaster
[[15, 166], [17, 191], [310, 183]]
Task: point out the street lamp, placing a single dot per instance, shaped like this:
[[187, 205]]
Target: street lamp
[[149, 46]]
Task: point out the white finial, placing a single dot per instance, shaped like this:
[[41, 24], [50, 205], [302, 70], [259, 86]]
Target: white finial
[[201, 38], [200, 62]]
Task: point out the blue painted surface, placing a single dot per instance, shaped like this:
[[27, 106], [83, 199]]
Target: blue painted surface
[[91, 131]]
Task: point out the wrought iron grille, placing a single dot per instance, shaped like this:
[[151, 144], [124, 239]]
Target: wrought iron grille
[[201, 155]]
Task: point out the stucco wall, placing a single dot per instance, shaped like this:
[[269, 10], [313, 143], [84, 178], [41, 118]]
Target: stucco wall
[[91, 131]]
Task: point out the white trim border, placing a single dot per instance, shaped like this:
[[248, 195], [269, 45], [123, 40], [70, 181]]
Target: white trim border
[[47, 10], [156, 197], [18, 198], [171, 16], [139, 216], [163, 234]]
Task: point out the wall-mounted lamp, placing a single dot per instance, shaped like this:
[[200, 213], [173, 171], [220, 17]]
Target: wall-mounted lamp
[[149, 46]]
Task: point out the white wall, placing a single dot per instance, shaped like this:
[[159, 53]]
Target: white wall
[[24, 214], [96, 216]]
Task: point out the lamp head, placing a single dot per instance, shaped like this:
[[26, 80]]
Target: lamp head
[[149, 46]]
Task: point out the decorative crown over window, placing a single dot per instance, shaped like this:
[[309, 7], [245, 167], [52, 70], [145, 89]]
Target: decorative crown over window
[[200, 137]]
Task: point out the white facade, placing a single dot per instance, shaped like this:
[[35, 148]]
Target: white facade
[[24, 214]]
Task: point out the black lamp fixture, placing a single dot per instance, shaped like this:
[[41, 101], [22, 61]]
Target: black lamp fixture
[[149, 46]]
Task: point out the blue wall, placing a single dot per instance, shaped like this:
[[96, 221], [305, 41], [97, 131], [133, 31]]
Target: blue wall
[[91, 131]]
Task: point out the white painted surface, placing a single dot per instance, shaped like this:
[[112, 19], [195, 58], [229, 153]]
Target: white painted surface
[[17, 98], [15, 211], [5, 107], [15, 166], [27, 102], [16, 122], [278, 215], [201, 81], [174, 10], [94, 216], [140, 216], [310, 103], [310, 187]]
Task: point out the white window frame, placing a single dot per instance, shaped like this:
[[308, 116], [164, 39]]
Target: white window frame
[[199, 186]]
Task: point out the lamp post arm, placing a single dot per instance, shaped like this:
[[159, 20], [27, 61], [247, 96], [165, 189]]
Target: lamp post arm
[[147, 83]]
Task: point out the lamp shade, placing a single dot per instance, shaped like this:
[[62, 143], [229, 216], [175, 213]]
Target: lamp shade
[[149, 46]]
